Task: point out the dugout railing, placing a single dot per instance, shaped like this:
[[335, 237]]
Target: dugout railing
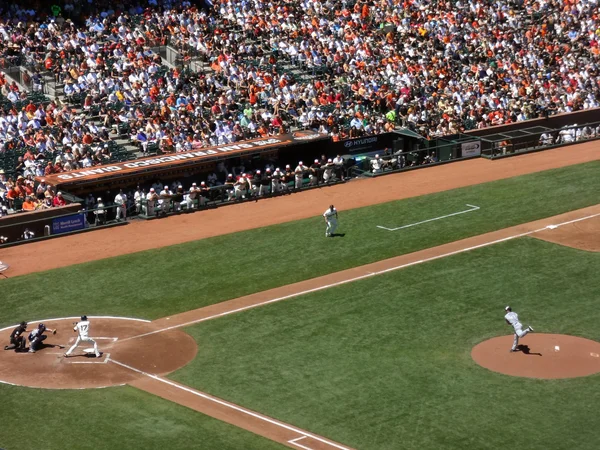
[[427, 153], [537, 138], [29, 228], [222, 195]]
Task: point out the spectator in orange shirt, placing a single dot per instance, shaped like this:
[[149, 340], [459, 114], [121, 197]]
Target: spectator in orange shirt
[[87, 139], [29, 204]]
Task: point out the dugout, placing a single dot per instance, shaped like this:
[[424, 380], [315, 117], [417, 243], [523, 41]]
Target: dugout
[[283, 149]]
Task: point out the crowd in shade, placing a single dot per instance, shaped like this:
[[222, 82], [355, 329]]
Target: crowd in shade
[[345, 68]]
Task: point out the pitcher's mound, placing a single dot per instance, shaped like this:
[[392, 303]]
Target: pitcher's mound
[[548, 356]]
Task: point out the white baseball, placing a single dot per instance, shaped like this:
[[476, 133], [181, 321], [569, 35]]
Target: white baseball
[[556, 348]]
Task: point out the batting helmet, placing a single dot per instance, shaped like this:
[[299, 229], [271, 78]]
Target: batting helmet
[[83, 317]]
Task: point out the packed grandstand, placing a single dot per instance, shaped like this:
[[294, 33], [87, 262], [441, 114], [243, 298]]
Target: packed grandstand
[[88, 83]]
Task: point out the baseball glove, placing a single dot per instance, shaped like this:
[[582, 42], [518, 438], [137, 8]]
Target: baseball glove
[[54, 332]]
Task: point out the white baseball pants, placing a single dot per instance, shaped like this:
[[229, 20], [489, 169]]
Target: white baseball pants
[[189, 203], [519, 333], [332, 225], [121, 211], [84, 339]]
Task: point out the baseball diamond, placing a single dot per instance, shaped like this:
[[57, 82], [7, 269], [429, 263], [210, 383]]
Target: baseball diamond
[[313, 225], [282, 357]]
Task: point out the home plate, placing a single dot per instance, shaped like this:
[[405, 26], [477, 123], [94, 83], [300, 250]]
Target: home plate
[[88, 351]]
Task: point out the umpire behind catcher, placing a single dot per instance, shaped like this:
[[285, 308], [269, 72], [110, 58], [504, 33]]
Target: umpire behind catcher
[[18, 343]]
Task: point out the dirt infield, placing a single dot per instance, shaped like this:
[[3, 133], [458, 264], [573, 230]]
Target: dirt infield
[[78, 248], [547, 356], [583, 235], [49, 369]]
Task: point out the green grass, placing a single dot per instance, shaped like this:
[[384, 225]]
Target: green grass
[[384, 363], [161, 282], [115, 418]]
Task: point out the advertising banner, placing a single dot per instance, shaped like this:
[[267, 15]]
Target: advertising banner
[[68, 223], [471, 149]]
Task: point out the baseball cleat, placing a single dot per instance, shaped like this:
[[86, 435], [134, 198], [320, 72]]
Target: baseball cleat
[[31, 350], [66, 356], [530, 328], [512, 350]]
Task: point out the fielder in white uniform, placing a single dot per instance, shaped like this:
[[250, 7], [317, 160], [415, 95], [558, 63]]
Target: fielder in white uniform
[[190, 200], [513, 320], [121, 202], [83, 328], [331, 217]]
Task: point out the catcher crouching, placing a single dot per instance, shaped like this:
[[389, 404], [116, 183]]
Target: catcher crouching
[[37, 336]]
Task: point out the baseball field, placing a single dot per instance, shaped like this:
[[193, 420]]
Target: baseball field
[[275, 336]]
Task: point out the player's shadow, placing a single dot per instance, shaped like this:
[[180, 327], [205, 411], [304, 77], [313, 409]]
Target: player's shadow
[[527, 351], [43, 345], [338, 234], [84, 355]]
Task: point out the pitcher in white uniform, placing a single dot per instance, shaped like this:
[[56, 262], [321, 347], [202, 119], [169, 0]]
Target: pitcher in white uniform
[[331, 216], [83, 328], [513, 320]]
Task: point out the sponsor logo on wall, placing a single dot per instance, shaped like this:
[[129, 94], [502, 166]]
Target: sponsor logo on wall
[[69, 223], [360, 142], [471, 149]]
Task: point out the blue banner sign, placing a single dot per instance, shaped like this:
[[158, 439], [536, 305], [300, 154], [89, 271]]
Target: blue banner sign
[[68, 223]]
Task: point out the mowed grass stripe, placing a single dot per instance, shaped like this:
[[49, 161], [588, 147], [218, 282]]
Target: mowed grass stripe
[[112, 418], [166, 281], [384, 363]]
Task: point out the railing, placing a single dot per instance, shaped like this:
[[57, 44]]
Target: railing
[[429, 153], [536, 139], [32, 228], [224, 195], [106, 215]]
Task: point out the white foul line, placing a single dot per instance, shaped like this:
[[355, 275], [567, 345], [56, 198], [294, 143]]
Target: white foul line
[[360, 277], [471, 208], [232, 406]]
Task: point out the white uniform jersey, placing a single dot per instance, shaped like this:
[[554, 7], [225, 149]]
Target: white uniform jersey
[[83, 328], [513, 319], [330, 213]]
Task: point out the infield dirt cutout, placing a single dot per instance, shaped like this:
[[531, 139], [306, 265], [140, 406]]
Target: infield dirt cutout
[[539, 355], [584, 235], [48, 368]]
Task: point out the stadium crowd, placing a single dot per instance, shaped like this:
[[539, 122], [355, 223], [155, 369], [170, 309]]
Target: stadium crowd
[[345, 68]]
